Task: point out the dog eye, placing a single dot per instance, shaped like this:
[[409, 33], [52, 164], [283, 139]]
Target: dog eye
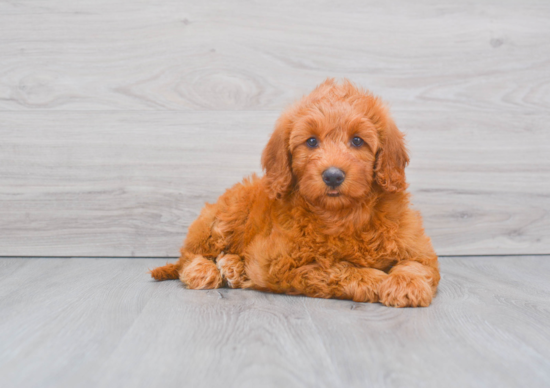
[[357, 141], [312, 142]]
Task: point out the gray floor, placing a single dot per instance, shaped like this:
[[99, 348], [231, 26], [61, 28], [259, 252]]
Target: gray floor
[[105, 323]]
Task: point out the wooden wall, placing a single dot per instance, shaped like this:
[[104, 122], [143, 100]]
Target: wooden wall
[[120, 118]]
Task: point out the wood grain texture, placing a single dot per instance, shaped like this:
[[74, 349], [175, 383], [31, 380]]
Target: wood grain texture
[[118, 119], [130, 183], [104, 323], [247, 55]]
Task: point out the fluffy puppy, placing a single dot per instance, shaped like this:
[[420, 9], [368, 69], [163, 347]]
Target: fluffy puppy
[[330, 218]]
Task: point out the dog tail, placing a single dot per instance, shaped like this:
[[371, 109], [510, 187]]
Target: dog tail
[[168, 272]]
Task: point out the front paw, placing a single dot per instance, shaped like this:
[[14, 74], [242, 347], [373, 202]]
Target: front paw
[[404, 290]]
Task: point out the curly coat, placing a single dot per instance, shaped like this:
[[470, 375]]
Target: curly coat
[[290, 232]]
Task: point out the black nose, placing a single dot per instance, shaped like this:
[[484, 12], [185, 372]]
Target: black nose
[[333, 176]]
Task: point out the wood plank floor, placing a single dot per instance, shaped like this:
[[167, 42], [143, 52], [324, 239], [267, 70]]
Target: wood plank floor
[[105, 323]]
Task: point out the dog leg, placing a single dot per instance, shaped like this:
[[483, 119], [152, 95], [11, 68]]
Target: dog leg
[[339, 281], [196, 267], [409, 284], [200, 273], [232, 270], [362, 284]]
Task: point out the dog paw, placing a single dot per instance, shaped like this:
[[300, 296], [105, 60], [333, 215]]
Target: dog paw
[[363, 284], [232, 269], [201, 274], [402, 290]]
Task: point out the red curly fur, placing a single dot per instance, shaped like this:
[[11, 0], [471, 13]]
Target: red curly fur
[[288, 232]]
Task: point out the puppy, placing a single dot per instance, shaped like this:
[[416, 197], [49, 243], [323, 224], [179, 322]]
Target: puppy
[[330, 218]]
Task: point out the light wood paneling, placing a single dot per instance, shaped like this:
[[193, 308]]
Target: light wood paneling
[[247, 55], [129, 183], [93, 163], [105, 323]]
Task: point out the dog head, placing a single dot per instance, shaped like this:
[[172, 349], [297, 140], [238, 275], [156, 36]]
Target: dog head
[[333, 146]]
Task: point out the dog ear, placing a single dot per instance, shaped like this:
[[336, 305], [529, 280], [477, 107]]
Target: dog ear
[[276, 160], [391, 160]]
